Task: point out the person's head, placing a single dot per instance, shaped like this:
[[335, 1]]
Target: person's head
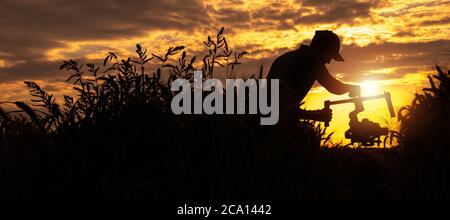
[[325, 46]]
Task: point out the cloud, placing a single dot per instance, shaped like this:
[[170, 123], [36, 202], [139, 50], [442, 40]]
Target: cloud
[[284, 15], [86, 19], [32, 70], [337, 10], [442, 21], [398, 35], [30, 28], [403, 58]]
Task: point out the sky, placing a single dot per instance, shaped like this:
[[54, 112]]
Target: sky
[[388, 45]]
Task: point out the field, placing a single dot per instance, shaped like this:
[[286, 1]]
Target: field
[[117, 139]]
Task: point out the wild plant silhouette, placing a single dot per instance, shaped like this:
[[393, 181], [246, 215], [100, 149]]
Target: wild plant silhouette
[[424, 138], [118, 139]]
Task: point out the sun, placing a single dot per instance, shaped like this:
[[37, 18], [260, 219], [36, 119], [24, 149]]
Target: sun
[[369, 88]]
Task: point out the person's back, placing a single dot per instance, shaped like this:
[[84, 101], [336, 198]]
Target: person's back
[[296, 74]]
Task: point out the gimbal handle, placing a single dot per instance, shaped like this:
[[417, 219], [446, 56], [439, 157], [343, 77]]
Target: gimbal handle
[[386, 96]]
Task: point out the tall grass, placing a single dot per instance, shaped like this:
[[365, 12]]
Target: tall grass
[[425, 138]]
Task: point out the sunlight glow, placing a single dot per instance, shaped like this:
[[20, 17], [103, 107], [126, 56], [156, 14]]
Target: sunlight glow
[[370, 88], [3, 63]]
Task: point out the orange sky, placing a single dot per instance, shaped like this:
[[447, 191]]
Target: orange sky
[[389, 45]]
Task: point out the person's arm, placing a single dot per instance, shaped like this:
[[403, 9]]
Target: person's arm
[[330, 83], [335, 86], [322, 115]]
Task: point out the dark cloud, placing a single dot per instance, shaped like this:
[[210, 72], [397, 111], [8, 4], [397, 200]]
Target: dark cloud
[[87, 19], [32, 70], [29, 28], [232, 18], [338, 10], [281, 15], [276, 16], [405, 34], [445, 20]]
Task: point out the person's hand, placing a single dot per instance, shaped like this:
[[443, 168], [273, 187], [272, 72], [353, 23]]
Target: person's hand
[[354, 90], [324, 115]]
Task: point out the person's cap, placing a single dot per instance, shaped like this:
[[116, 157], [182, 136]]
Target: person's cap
[[327, 42]]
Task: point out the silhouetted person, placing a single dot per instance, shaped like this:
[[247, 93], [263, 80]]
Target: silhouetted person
[[298, 70]]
